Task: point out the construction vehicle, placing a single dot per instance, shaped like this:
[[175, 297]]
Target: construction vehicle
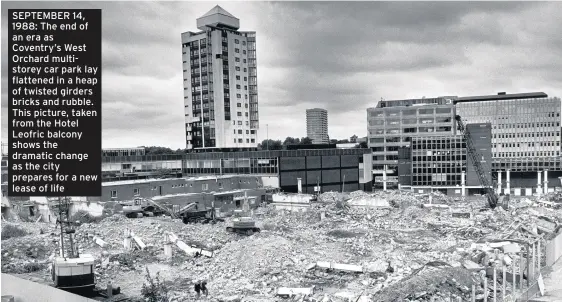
[[140, 207], [192, 214], [493, 199], [71, 271], [243, 223]]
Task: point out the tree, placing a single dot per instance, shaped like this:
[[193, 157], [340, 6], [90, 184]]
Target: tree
[[156, 150], [269, 144], [291, 141], [306, 141], [362, 145], [353, 139]]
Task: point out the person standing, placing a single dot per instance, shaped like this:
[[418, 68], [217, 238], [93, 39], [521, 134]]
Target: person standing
[[197, 288], [204, 288]]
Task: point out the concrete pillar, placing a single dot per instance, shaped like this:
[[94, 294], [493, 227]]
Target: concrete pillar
[[545, 182], [384, 178], [168, 250], [539, 255], [127, 242], [167, 246], [299, 180], [508, 181], [521, 269], [539, 182], [463, 183], [499, 182]]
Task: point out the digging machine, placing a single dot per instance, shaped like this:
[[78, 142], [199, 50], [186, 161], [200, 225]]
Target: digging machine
[[71, 271], [243, 223], [140, 207], [493, 199]]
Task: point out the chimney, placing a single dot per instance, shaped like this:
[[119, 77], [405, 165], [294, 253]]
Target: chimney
[[299, 180]]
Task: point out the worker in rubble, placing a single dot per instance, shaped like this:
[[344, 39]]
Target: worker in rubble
[[197, 288], [204, 287]]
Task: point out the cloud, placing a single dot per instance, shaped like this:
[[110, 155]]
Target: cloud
[[342, 56]]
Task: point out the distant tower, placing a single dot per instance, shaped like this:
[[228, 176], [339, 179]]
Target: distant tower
[[220, 84], [317, 125]]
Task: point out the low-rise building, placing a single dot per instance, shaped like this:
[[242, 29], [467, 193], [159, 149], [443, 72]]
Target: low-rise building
[[324, 169]]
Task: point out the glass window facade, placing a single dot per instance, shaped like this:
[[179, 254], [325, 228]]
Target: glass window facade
[[438, 161]]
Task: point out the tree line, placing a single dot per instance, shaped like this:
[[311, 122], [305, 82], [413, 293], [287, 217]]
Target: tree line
[[266, 144]]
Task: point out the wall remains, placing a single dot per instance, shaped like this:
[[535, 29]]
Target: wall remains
[[27, 291]]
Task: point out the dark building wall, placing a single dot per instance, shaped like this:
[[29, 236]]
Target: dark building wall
[[405, 166], [325, 170], [529, 179], [482, 141]]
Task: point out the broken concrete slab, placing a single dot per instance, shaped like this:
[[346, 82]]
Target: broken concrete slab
[[288, 291], [379, 266], [99, 241], [340, 267], [511, 248]]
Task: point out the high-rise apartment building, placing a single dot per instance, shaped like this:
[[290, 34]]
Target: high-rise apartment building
[[317, 125], [220, 84]]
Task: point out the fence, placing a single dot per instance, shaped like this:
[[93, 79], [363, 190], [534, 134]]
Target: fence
[[552, 253], [529, 262], [554, 250]]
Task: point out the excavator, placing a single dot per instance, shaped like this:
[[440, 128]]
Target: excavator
[[493, 199], [71, 271], [243, 223], [192, 214], [140, 207]]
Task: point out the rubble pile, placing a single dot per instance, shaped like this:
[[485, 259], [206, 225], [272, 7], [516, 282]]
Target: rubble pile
[[346, 246]]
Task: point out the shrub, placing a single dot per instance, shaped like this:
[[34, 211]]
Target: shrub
[[12, 231], [155, 290]]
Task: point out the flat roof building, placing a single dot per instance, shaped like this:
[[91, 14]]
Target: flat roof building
[[329, 169], [220, 84], [525, 134], [392, 124], [317, 125]]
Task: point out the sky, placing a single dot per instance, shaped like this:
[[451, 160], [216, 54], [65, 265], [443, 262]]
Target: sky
[[341, 56]]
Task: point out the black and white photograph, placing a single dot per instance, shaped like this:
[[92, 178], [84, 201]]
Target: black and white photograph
[[254, 151]]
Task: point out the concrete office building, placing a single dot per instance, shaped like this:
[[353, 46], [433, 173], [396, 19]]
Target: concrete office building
[[525, 138], [220, 84], [392, 124], [317, 125], [525, 143], [442, 163]]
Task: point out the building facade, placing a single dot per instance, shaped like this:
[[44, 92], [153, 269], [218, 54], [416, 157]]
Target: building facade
[[330, 169], [525, 138], [392, 124], [317, 125], [123, 151], [220, 84], [442, 163]]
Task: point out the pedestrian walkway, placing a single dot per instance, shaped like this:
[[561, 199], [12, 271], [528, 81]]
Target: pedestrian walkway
[[552, 285]]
